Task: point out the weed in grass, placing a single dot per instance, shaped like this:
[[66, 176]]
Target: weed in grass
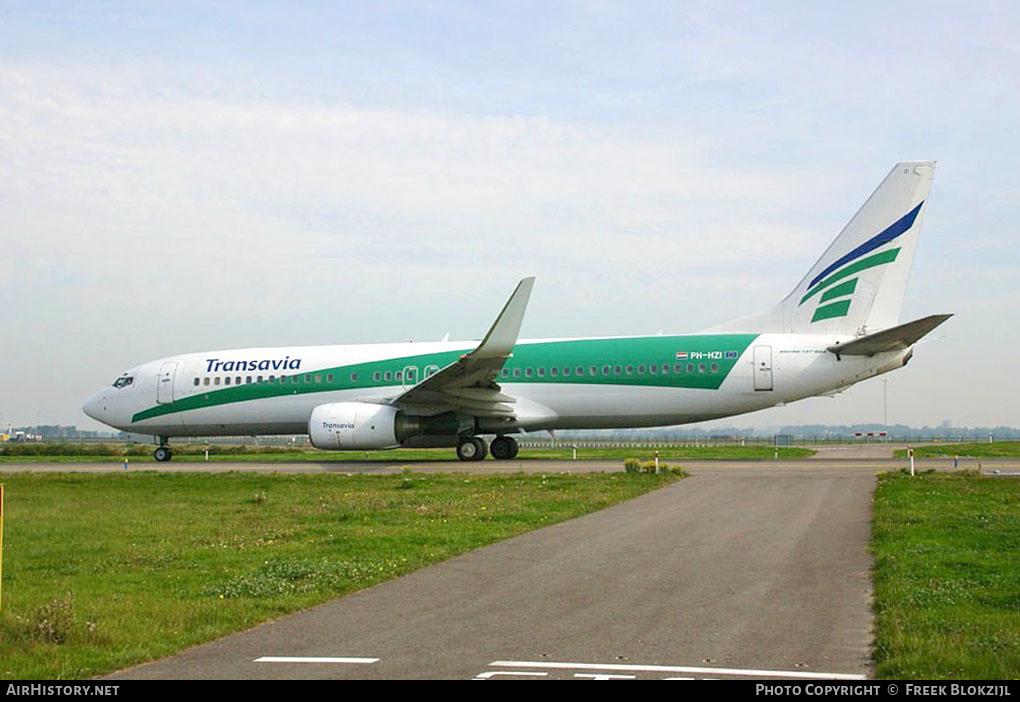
[[52, 622]]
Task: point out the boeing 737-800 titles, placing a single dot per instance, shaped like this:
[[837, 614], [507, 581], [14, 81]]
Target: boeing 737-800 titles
[[839, 326]]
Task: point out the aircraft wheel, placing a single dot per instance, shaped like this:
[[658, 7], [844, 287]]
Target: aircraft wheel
[[504, 448], [483, 448], [163, 453], [471, 449]]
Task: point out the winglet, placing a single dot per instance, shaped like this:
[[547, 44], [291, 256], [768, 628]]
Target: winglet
[[502, 336]]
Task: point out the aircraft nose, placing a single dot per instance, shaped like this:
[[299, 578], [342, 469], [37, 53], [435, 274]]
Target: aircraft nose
[[93, 406]]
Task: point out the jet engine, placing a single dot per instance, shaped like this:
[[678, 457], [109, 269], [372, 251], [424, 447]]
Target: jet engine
[[355, 425]]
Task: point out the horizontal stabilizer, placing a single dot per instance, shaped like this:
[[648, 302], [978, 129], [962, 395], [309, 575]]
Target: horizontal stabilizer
[[894, 339]]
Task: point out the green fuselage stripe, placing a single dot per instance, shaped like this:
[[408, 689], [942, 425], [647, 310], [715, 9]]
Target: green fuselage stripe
[[702, 353], [864, 264]]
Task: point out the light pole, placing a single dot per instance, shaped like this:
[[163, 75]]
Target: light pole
[[885, 404]]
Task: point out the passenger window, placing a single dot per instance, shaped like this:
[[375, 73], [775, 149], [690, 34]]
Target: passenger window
[[196, 381], [505, 373], [308, 378], [665, 369], [226, 381], [517, 372], [617, 370], [678, 368], [641, 370], [216, 381], [399, 375], [528, 372], [318, 378], [701, 367], [653, 369], [541, 372], [554, 371], [690, 367], [258, 379], [376, 377], [388, 375], [605, 370], [630, 370], [714, 368], [247, 380], [237, 380]]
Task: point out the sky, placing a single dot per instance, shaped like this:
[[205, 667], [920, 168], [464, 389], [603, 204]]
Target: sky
[[186, 176]]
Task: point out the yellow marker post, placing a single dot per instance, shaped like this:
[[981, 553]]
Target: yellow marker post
[[1, 546]]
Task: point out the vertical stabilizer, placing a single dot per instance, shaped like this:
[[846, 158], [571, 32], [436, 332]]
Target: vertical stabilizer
[[858, 285]]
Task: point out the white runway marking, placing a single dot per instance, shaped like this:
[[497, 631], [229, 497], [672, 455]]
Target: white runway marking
[[795, 674], [314, 659]]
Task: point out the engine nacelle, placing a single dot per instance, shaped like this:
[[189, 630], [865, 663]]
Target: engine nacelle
[[354, 425]]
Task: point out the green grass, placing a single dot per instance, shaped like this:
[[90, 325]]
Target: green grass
[[103, 571], [976, 449], [947, 576], [102, 453]]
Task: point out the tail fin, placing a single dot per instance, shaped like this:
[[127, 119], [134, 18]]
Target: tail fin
[[858, 285]]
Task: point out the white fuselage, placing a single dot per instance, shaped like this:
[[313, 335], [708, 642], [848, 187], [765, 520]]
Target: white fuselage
[[170, 396]]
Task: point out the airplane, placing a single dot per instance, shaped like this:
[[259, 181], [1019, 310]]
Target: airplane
[[840, 325]]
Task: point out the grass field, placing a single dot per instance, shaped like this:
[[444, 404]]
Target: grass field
[[976, 449], [947, 576], [102, 571], [143, 454]]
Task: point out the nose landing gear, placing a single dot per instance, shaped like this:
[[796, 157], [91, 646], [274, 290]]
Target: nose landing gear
[[163, 452]]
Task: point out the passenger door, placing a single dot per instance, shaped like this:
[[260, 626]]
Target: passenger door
[[165, 384]]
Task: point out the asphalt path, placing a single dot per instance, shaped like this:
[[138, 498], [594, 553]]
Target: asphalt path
[[757, 570]]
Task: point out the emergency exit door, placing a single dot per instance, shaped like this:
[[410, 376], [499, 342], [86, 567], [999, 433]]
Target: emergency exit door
[[762, 367]]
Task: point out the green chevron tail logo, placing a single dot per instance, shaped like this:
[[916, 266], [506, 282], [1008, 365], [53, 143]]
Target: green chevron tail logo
[[835, 279], [827, 309]]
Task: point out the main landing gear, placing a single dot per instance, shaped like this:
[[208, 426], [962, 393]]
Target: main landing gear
[[163, 452], [504, 448], [473, 448]]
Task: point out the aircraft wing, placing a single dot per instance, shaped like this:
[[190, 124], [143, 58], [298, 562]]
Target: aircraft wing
[[892, 339], [469, 384]]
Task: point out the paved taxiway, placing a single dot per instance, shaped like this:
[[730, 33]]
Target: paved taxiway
[[526, 466]]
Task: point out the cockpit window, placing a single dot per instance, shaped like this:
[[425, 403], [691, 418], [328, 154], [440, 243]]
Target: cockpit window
[[123, 381]]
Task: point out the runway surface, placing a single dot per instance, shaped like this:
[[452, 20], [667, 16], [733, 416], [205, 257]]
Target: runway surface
[[815, 463]]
